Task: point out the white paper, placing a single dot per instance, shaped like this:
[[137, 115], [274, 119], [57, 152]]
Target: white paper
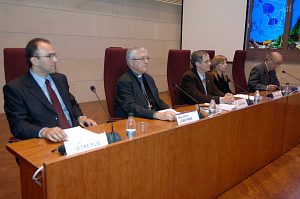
[[226, 106], [80, 139], [169, 109], [244, 96]]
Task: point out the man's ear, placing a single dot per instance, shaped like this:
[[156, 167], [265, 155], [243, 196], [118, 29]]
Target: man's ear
[[34, 60], [130, 62]]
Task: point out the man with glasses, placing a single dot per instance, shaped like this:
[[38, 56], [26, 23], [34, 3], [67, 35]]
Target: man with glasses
[[199, 83], [263, 76], [39, 104], [136, 91]]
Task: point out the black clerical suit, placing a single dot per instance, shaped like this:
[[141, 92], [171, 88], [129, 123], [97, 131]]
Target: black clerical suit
[[129, 97]]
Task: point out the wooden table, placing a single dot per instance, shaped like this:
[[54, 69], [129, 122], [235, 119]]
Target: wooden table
[[201, 159]]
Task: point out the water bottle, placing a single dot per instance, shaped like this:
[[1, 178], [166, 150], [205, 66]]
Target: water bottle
[[212, 106], [287, 89], [256, 96], [130, 127]]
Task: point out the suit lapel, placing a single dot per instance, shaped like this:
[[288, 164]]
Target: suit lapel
[[201, 87], [137, 89], [35, 90], [152, 90]]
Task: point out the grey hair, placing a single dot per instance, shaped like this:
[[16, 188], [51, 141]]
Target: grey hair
[[131, 53], [197, 56]]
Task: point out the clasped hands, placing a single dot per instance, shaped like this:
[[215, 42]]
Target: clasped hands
[[228, 98]]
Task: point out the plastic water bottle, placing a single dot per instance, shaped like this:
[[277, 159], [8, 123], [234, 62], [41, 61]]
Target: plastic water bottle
[[256, 96], [287, 89], [130, 127], [212, 106]]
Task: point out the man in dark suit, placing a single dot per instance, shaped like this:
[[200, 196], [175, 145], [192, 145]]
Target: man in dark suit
[[199, 84], [39, 104], [263, 76], [136, 91]]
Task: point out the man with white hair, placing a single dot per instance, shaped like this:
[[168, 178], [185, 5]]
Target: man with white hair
[[136, 91]]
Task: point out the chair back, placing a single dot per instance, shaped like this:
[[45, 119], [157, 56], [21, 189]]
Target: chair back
[[238, 71], [211, 53], [15, 63], [178, 64], [115, 66]]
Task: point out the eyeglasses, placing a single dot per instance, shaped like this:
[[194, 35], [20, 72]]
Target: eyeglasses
[[207, 61], [276, 64], [142, 59], [52, 55]]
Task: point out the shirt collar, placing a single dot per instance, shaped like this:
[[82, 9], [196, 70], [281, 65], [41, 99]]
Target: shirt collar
[[201, 76], [267, 66], [137, 75], [40, 80]]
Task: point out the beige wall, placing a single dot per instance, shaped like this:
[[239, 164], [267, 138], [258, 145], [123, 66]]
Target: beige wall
[[80, 30]]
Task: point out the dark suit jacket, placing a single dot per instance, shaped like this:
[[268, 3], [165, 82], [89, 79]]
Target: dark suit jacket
[[129, 97], [191, 84], [258, 78], [28, 109]]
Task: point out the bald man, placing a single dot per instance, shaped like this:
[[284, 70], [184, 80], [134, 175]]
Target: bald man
[[263, 76]]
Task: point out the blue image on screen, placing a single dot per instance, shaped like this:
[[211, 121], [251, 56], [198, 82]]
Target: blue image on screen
[[268, 19]]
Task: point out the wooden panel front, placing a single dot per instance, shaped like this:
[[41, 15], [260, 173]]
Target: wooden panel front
[[197, 160], [292, 123]]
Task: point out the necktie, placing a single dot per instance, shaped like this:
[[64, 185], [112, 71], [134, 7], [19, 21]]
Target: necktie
[[62, 119], [203, 80]]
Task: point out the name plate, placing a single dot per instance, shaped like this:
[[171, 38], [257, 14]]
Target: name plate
[[241, 103], [277, 94], [186, 117], [84, 144]]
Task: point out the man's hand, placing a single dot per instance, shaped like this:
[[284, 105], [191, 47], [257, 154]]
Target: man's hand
[[168, 115], [84, 122], [228, 99], [271, 87], [54, 134]]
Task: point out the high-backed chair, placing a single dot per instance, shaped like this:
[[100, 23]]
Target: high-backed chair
[[178, 64], [115, 66], [211, 53], [238, 71], [15, 65]]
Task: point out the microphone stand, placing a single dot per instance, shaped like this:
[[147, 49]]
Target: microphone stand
[[249, 102], [199, 113], [290, 75], [112, 136]]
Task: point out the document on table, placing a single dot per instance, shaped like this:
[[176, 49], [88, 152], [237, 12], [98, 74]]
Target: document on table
[[244, 96]]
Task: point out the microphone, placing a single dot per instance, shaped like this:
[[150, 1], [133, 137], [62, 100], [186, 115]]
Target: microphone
[[290, 75], [293, 88], [112, 136], [249, 102], [199, 113]]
